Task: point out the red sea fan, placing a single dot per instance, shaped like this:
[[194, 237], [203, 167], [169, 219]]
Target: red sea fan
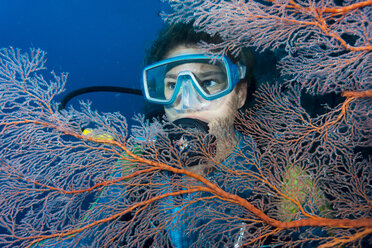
[[294, 180]]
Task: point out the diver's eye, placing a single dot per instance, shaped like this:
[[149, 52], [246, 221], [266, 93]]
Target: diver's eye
[[170, 85], [209, 83], [211, 86]]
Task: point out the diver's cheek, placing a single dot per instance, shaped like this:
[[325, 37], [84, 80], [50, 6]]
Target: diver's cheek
[[171, 117]]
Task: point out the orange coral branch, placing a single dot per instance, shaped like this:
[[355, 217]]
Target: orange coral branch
[[339, 10], [340, 241], [356, 94], [320, 21], [342, 10], [98, 222]]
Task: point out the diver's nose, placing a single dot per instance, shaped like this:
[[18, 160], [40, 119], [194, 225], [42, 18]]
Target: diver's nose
[[188, 95]]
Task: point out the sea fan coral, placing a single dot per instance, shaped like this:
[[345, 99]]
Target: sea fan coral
[[52, 172]]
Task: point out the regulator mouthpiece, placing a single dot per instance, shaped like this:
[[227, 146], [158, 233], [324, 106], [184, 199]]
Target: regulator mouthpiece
[[192, 140]]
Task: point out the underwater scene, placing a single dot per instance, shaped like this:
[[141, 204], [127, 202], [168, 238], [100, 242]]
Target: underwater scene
[[185, 123]]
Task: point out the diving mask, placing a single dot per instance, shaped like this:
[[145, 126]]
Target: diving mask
[[190, 81]]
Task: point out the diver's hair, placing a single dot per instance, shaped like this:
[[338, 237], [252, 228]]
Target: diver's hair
[[178, 34], [172, 36], [175, 35]]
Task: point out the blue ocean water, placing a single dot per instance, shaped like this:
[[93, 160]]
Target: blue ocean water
[[97, 42]]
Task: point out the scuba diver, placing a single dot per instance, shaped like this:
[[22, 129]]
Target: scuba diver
[[201, 91]]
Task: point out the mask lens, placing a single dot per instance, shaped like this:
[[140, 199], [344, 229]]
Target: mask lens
[[154, 87], [213, 79]]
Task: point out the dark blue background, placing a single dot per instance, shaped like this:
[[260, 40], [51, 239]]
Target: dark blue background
[[97, 42]]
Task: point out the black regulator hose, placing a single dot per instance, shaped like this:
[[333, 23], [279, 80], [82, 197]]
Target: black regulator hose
[[85, 90]]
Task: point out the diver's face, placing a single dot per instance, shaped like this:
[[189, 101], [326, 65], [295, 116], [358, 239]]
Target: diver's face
[[221, 109]]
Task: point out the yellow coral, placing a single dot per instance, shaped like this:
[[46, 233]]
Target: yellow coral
[[301, 187], [97, 135]]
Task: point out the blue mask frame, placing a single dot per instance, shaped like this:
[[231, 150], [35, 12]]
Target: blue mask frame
[[234, 74]]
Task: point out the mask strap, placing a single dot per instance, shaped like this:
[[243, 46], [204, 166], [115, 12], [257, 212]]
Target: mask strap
[[242, 70]]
